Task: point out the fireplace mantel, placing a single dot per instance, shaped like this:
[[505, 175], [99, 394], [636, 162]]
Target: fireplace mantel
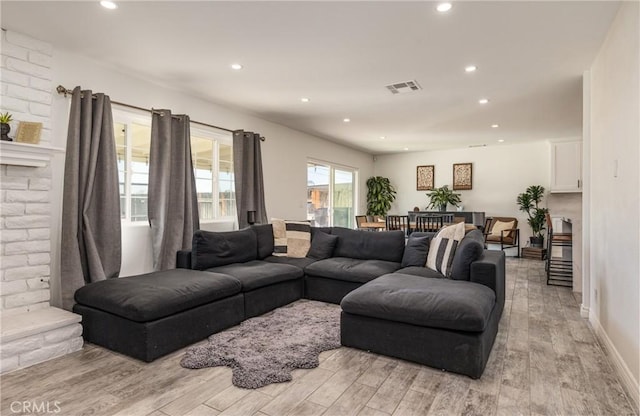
[[25, 154]]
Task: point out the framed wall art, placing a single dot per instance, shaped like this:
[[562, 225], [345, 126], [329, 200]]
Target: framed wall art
[[462, 176], [424, 177], [29, 132]]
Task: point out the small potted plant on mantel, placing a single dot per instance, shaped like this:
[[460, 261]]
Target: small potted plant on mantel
[[5, 128], [441, 197], [528, 202]]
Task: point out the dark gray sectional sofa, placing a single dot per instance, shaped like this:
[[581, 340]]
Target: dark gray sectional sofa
[[391, 304]]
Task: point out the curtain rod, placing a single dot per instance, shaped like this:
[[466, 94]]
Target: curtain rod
[[65, 91]]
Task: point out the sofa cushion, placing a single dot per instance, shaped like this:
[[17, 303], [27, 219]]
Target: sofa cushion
[[213, 249], [443, 247], [314, 230], [301, 263], [499, 226], [436, 303], [155, 295], [351, 270], [415, 252], [257, 273], [421, 271], [469, 250], [264, 234], [322, 245], [291, 238], [366, 245]]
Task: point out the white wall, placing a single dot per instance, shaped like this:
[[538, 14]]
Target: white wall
[[284, 153], [614, 203], [500, 173]]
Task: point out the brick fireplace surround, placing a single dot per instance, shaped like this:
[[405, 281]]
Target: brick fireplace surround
[[32, 330]]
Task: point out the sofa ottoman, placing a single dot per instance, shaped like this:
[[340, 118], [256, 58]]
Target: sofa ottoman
[[442, 323], [150, 315]]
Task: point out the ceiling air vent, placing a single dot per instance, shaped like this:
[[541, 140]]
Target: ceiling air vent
[[402, 87]]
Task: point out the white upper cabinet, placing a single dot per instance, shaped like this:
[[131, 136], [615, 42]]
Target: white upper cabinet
[[566, 167]]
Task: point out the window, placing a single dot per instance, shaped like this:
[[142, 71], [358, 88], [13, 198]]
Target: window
[[330, 195], [212, 156], [132, 146]]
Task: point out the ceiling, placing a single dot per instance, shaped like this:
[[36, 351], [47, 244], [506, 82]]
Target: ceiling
[[530, 58]]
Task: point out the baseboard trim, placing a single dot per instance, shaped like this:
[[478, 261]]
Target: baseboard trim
[[628, 382], [584, 311]]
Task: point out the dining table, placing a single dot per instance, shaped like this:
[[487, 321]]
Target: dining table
[[374, 225]]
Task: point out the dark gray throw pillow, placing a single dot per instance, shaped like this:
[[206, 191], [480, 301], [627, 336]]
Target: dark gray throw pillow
[[264, 233], [322, 245], [212, 249], [415, 252], [469, 250]]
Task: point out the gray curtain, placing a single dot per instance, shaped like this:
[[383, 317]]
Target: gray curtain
[[247, 163], [173, 203], [91, 246]]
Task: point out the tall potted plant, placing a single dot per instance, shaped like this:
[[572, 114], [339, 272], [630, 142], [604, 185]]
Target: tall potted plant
[[380, 195], [441, 197], [528, 202]]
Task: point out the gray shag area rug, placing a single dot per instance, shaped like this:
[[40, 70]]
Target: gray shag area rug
[[264, 349]]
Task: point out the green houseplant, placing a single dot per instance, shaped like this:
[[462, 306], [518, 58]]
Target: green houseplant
[[528, 202], [380, 195], [441, 197], [5, 128]]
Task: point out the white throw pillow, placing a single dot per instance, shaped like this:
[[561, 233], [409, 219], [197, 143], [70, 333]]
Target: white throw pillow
[[499, 226], [291, 238], [443, 248]]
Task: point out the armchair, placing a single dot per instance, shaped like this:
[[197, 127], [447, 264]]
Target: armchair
[[503, 231]]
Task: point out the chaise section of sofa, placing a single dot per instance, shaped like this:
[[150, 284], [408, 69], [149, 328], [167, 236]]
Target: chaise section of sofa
[[419, 315], [151, 315]]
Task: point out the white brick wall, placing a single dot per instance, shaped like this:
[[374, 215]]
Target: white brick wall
[[37, 348], [25, 218], [25, 191]]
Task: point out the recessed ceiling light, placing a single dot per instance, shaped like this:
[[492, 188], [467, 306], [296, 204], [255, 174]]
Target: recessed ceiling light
[[108, 5], [470, 68], [346, 120], [500, 140], [383, 137], [483, 101], [495, 126], [305, 99], [443, 7], [406, 148], [236, 66]]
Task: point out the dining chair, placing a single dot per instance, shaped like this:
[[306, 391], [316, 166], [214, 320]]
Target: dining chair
[[447, 218], [398, 222], [429, 223], [360, 219]]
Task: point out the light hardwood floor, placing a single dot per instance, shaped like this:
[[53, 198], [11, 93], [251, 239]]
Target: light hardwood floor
[[546, 360]]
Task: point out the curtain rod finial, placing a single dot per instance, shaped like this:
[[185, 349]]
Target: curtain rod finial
[[62, 90]]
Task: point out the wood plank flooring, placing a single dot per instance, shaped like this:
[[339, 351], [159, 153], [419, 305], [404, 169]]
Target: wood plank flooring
[[546, 361]]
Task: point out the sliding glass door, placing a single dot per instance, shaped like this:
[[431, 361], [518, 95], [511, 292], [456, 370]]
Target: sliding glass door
[[343, 181], [330, 195]]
